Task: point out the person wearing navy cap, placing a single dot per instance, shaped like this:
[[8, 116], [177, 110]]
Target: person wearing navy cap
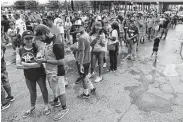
[[33, 71]]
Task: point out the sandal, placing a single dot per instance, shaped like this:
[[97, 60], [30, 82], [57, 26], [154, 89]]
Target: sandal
[[28, 113], [47, 111]]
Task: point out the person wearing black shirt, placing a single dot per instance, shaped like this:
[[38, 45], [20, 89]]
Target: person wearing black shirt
[[33, 72], [4, 27], [165, 27], [5, 23], [156, 45], [53, 58]]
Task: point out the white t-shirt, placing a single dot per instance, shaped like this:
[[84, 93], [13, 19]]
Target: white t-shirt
[[20, 24], [115, 34], [12, 32], [58, 25]]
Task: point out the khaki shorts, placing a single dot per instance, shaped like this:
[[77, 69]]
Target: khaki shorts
[[57, 84]]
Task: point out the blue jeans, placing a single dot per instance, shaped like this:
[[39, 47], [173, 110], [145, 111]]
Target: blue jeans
[[31, 85], [97, 56]]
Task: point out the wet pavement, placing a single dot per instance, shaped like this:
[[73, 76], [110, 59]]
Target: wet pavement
[[137, 92]]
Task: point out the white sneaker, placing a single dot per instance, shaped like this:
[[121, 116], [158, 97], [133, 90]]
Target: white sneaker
[[90, 75], [98, 79], [105, 65], [66, 82]]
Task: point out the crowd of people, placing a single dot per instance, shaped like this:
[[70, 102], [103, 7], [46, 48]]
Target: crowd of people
[[38, 44]]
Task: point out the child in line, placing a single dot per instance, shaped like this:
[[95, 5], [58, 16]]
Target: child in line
[[155, 46]]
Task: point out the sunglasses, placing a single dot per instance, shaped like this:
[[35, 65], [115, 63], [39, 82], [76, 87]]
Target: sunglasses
[[28, 38]]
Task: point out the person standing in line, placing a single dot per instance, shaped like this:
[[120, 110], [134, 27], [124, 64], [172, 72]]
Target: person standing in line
[[5, 85], [98, 49], [53, 58], [68, 25], [74, 48], [20, 24], [165, 26], [150, 24], [4, 28], [113, 46], [156, 25], [48, 21], [84, 58], [13, 36], [33, 72], [132, 34], [156, 46]]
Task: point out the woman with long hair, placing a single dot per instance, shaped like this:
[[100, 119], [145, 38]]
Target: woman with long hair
[[98, 48], [68, 25], [33, 72]]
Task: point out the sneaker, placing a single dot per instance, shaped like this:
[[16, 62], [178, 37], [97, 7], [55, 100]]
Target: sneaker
[[61, 114], [90, 75], [10, 99], [28, 112], [98, 79], [78, 80], [93, 91], [47, 110], [105, 65], [5, 106], [55, 103], [84, 96], [66, 82]]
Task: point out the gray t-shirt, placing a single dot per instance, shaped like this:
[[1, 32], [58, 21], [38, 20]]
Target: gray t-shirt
[[84, 45]]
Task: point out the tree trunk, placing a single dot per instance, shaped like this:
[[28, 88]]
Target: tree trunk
[[94, 6], [72, 5]]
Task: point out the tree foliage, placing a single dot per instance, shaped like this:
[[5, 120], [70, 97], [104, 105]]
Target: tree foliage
[[26, 4], [53, 4]]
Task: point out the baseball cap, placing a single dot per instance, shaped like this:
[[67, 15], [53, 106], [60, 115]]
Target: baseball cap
[[79, 22], [27, 33], [40, 29]]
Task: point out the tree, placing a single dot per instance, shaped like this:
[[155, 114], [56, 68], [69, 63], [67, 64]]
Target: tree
[[53, 4], [19, 4], [26, 4]]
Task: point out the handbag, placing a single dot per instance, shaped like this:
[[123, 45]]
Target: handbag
[[111, 47]]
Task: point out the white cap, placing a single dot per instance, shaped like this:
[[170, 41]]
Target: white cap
[[78, 22]]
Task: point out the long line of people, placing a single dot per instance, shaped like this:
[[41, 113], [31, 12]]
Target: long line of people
[[39, 49]]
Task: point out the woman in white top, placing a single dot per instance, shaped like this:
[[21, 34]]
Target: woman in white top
[[68, 25], [113, 46]]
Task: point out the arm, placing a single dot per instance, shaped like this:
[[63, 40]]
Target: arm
[[18, 61], [81, 48]]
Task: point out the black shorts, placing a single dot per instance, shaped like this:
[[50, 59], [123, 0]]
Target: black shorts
[[86, 70], [155, 49]]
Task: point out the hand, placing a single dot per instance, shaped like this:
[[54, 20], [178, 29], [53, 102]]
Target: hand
[[82, 69], [40, 60]]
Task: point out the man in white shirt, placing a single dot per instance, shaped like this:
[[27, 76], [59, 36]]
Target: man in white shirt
[[20, 24]]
